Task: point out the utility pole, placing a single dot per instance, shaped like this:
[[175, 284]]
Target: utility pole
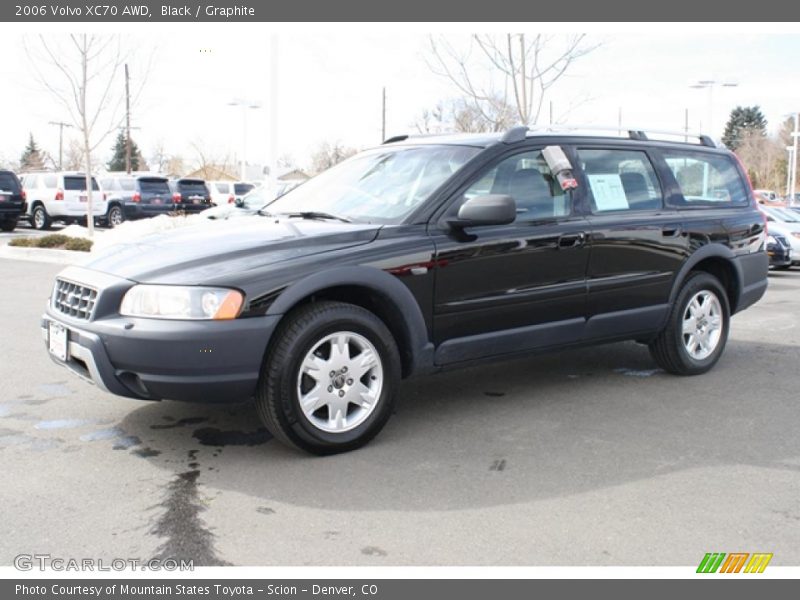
[[686, 124], [383, 116], [127, 122], [61, 126]]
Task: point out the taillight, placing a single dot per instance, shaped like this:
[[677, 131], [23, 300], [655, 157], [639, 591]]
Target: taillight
[[231, 199], [137, 197], [176, 197], [59, 194], [24, 195]]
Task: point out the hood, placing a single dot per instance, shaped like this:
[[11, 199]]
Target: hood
[[210, 250]]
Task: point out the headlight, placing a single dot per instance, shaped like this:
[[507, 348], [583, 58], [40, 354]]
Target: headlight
[[181, 302]]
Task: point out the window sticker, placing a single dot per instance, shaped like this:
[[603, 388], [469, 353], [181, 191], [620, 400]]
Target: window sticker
[[608, 191]]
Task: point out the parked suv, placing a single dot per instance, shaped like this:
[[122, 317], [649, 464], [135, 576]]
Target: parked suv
[[12, 200], [61, 197], [190, 195], [137, 197], [228, 192], [416, 256]]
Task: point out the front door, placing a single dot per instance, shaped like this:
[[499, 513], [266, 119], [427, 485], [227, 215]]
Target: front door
[[511, 288]]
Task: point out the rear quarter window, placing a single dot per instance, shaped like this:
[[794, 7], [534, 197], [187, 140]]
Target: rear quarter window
[[707, 180]]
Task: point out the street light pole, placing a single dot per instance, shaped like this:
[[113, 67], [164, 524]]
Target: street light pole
[[245, 105], [708, 84], [795, 135]]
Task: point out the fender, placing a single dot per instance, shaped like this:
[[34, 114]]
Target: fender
[[709, 251], [394, 293]]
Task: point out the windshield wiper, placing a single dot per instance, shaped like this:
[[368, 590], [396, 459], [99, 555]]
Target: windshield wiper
[[313, 214]]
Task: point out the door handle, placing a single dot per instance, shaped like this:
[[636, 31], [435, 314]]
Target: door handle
[[671, 230], [572, 240]]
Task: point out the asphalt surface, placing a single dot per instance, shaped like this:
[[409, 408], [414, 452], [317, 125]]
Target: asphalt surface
[[587, 457]]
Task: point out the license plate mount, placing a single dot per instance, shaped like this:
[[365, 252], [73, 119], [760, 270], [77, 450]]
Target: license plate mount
[[58, 341]]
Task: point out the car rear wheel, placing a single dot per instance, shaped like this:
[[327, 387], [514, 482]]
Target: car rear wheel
[[40, 219], [697, 329], [328, 383], [115, 216]]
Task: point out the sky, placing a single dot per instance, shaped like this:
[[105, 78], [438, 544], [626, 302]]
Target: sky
[[329, 82]]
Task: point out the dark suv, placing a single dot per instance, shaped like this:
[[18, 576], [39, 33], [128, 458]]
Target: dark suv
[[12, 200], [420, 255], [190, 195], [137, 197]]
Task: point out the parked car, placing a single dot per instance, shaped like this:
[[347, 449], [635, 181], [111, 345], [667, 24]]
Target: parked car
[[190, 195], [786, 223], [61, 196], [227, 192], [137, 197], [248, 205], [770, 195], [12, 200], [420, 255], [779, 251]]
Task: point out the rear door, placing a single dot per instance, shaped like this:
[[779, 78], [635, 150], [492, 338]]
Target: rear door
[[155, 197], [76, 196], [11, 200], [638, 243]]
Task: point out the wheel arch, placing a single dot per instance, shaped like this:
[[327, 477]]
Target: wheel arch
[[377, 291], [719, 261]]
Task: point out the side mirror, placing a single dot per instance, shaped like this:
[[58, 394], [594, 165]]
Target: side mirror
[[239, 202], [491, 209]]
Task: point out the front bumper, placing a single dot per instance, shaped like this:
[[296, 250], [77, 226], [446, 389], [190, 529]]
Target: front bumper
[[153, 359]]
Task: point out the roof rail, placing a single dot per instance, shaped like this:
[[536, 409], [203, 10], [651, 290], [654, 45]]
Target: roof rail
[[396, 138], [634, 133], [515, 134]]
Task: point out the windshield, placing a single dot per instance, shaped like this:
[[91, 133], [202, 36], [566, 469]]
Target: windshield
[[383, 185]]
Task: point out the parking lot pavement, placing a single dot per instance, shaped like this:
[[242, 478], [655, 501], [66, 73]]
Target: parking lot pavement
[[587, 457]]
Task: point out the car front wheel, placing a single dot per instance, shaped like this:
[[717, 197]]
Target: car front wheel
[[697, 329], [328, 383]]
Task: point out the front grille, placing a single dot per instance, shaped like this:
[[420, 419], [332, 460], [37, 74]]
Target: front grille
[[73, 299]]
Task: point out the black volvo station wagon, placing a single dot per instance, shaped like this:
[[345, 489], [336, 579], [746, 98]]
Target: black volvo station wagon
[[419, 255]]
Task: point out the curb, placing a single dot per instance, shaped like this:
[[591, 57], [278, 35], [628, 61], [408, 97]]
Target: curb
[[46, 255]]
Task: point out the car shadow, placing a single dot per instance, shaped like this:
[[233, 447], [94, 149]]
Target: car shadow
[[509, 432]]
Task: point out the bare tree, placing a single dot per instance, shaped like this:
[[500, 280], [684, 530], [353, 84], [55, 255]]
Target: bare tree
[[327, 155], [209, 164], [517, 70], [461, 116], [764, 158], [82, 72]]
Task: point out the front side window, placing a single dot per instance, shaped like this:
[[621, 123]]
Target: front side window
[[620, 180], [526, 178], [383, 185], [707, 179]]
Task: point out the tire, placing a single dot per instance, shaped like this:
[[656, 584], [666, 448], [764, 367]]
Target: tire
[[40, 220], [307, 338], [8, 226], [115, 216], [782, 267], [701, 294]]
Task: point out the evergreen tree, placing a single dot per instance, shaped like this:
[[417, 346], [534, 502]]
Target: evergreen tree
[[32, 158], [117, 162], [743, 118]]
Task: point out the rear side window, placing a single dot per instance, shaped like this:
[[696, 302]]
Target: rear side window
[[49, 181], [154, 186], [128, 185], [9, 183], [620, 180], [222, 188], [526, 178], [78, 184], [707, 179]]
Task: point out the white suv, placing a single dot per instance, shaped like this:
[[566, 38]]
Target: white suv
[[228, 192], [61, 197]]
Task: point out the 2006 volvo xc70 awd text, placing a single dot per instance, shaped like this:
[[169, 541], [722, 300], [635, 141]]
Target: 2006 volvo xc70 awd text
[[419, 255]]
